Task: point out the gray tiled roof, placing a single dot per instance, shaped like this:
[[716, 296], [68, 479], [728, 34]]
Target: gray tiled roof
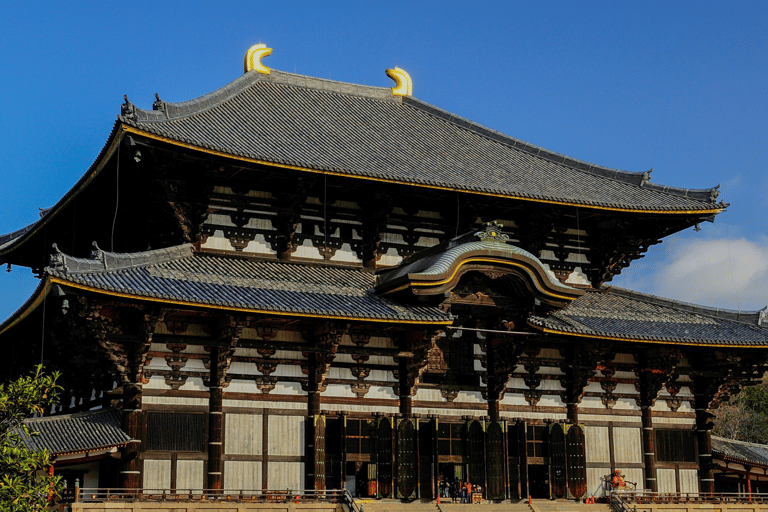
[[741, 450], [617, 313], [236, 282], [317, 124], [79, 432]]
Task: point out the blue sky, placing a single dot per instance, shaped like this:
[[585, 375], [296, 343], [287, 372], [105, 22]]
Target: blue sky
[[675, 86]]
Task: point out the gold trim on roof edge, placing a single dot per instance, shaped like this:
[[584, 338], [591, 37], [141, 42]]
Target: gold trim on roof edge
[[635, 340], [56, 280], [535, 278], [174, 142]]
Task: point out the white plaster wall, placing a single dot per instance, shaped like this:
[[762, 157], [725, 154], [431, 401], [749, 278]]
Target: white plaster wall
[[429, 395], [288, 370], [242, 475], [286, 435], [242, 386], [243, 433], [689, 480], [174, 400], [244, 368], [157, 474], [472, 397], [382, 392], [627, 445], [595, 481], [194, 384], [285, 475], [665, 478], [189, 475], [626, 404], [596, 444], [339, 390], [345, 253]]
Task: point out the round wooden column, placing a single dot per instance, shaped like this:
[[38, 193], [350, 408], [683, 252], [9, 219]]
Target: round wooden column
[[703, 431], [649, 449], [130, 465], [215, 438]]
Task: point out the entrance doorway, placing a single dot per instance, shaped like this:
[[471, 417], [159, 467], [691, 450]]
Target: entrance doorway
[[449, 472], [538, 481]]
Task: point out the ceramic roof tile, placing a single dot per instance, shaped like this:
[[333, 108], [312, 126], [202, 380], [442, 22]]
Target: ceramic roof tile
[[276, 118], [79, 432], [741, 450], [617, 313], [178, 274]]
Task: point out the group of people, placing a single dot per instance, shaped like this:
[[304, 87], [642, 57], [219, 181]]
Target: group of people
[[458, 490]]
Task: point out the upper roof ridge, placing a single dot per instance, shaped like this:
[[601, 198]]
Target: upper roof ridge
[[164, 111], [756, 318], [101, 261]]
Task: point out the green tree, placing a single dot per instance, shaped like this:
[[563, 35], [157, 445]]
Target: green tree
[[745, 416], [25, 483]]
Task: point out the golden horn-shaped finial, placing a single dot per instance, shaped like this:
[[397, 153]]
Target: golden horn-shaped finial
[[253, 58], [403, 83]]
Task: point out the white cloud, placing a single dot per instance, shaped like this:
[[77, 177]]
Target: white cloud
[[720, 272]]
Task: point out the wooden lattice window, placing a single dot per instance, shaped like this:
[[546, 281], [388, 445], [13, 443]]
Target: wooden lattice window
[[358, 436], [450, 438], [537, 441]]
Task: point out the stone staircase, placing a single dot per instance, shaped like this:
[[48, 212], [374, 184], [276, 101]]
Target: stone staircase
[[568, 506], [505, 506], [397, 506]]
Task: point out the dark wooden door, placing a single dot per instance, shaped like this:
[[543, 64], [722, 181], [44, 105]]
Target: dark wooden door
[[557, 462], [576, 469], [384, 458], [495, 457], [513, 453], [319, 452], [406, 459], [476, 452]]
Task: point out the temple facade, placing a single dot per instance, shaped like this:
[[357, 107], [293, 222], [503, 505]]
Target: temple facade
[[309, 284]]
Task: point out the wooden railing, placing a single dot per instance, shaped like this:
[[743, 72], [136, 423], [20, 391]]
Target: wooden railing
[[86, 495], [622, 501]]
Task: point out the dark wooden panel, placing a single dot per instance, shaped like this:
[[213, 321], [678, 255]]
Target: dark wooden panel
[[176, 432], [557, 461], [406, 458], [495, 457], [576, 470], [384, 458], [476, 452]]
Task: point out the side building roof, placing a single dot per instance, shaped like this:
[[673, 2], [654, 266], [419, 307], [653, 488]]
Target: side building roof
[[740, 451], [306, 123], [79, 432], [618, 314]]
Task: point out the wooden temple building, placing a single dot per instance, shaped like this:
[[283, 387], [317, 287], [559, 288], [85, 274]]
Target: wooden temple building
[[298, 283]]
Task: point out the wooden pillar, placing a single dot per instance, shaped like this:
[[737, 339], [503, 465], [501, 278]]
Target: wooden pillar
[[572, 412], [749, 482], [215, 479], [494, 410], [130, 471], [703, 432], [649, 449]]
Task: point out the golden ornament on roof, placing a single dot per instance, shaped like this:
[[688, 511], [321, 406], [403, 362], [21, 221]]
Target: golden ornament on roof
[[404, 85], [253, 58]]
